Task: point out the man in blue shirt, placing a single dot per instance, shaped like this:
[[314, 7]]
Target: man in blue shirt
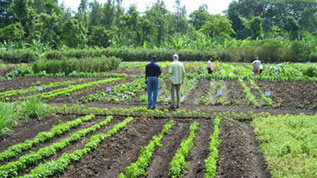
[[152, 72]]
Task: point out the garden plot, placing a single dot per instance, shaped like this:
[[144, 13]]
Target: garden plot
[[302, 95], [26, 82]]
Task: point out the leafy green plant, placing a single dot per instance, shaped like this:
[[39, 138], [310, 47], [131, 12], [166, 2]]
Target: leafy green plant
[[12, 168], [178, 163], [62, 128], [73, 88], [33, 107], [288, 144], [60, 164], [139, 168], [211, 161], [9, 114]]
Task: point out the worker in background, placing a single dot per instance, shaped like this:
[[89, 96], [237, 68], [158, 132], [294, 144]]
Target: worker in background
[[210, 69], [257, 66]]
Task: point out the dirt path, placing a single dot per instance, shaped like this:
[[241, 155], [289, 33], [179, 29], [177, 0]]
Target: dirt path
[[163, 155], [238, 156], [200, 150], [200, 89]]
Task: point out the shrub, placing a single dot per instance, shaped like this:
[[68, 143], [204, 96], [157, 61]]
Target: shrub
[[18, 56], [98, 64], [271, 51], [311, 72], [9, 113]]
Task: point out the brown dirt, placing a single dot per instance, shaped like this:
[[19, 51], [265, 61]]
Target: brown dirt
[[25, 82], [200, 150], [75, 97], [236, 94], [162, 156], [302, 95], [29, 129], [201, 89], [238, 156], [117, 152]]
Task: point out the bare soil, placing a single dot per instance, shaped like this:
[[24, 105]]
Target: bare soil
[[238, 156]]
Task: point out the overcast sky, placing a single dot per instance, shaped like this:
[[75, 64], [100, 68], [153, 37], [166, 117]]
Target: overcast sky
[[214, 6]]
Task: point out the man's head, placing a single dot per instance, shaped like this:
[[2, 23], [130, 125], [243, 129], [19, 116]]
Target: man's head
[[210, 58], [154, 58], [175, 57]]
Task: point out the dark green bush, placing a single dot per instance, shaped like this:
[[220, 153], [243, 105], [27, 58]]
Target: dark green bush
[[271, 51], [311, 72], [18, 56], [99, 64]]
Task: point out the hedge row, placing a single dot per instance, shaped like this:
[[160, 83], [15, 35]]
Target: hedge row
[[270, 51], [19, 56], [98, 64]]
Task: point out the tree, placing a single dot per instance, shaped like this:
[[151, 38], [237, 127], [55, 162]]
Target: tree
[[13, 32], [256, 27], [94, 15], [217, 26], [292, 27], [100, 37], [6, 16], [74, 34], [82, 12], [199, 17]]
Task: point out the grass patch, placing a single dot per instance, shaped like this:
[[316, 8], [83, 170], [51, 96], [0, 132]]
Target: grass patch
[[288, 144]]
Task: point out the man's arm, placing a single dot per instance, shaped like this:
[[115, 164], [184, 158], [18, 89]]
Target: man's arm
[[146, 73], [183, 74]]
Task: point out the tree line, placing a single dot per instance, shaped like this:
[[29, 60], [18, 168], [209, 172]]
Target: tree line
[[109, 24]]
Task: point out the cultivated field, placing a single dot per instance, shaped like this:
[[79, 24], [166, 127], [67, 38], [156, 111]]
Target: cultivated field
[[230, 124]]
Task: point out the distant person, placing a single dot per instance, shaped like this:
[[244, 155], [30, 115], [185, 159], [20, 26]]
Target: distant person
[[256, 66], [152, 72], [177, 76], [261, 68], [210, 69]]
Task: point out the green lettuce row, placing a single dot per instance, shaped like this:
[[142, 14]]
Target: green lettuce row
[[15, 150], [248, 92], [13, 168], [60, 164], [139, 168], [73, 88], [211, 161], [266, 99], [178, 163], [119, 92], [34, 88]]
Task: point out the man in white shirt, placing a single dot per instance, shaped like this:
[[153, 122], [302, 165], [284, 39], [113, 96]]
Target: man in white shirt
[[177, 75], [210, 70]]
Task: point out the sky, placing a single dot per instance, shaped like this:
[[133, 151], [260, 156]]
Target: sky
[[214, 6]]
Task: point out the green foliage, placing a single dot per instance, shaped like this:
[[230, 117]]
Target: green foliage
[[9, 114], [288, 144], [118, 93], [34, 108], [74, 33], [72, 88], [60, 164], [100, 36], [12, 168], [13, 32], [139, 168], [100, 64], [211, 161], [178, 163], [272, 50], [18, 56], [60, 129], [311, 72], [218, 26]]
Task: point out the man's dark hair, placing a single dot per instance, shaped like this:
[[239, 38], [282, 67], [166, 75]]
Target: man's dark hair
[[154, 58]]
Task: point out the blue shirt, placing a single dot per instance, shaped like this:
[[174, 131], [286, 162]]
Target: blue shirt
[[152, 69]]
